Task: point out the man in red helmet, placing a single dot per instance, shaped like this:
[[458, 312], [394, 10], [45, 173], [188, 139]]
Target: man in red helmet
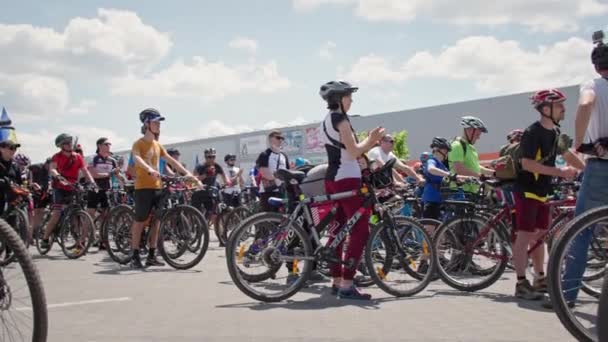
[[540, 144]]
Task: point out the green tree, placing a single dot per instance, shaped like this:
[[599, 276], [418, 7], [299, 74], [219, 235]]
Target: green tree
[[400, 147], [362, 135]]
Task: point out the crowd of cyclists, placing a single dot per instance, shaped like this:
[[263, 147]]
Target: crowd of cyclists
[[526, 175]]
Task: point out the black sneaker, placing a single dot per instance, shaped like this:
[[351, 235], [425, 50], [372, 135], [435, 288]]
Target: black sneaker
[[136, 263], [154, 262], [548, 304], [44, 244], [524, 290], [353, 293], [540, 284]]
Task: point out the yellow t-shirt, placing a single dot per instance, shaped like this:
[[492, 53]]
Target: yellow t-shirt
[[150, 152]]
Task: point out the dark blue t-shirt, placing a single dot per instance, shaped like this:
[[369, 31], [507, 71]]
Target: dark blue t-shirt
[[432, 186]]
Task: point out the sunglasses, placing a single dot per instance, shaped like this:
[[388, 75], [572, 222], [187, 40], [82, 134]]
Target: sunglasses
[[107, 144], [210, 157], [279, 138], [12, 148], [390, 141]]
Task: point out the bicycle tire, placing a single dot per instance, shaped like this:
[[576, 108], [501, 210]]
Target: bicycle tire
[[39, 235], [21, 224], [201, 234], [554, 271], [237, 215], [34, 282], [66, 229], [119, 236], [498, 269], [602, 312], [379, 231], [238, 276]]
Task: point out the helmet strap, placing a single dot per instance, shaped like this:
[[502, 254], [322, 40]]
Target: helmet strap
[[550, 116], [467, 136]]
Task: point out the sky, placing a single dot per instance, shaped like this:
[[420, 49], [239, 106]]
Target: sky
[[223, 67]]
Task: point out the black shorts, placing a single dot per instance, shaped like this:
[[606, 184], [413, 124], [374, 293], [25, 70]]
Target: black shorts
[[41, 199], [95, 199], [62, 197], [232, 199], [203, 199], [145, 200], [432, 210]]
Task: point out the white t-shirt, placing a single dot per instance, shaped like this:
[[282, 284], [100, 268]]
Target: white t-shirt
[[598, 124], [231, 172], [377, 153]]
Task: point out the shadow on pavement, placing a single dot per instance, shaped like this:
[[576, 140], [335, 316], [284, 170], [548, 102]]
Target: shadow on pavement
[[117, 269], [535, 305], [325, 300]]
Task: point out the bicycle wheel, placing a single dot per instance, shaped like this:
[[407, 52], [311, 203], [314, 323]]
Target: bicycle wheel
[[182, 228], [233, 220], [260, 262], [17, 219], [23, 313], [602, 313], [117, 233], [77, 230], [39, 235], [395, 253], [467, 261], [580, 320], [220, 229]]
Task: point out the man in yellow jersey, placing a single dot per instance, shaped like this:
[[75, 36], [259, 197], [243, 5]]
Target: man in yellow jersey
[[147, 153]]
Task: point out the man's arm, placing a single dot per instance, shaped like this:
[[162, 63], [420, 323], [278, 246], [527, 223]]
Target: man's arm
[[408, 170], [583, 115], [573, 160]]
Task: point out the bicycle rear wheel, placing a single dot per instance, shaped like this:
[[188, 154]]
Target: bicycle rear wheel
[[23, 312], [602, 313], [184, 237], [117, 233], [39, 235], [468, 267], [260, 261], [76, 233]]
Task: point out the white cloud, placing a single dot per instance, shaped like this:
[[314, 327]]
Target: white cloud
[[33, 95], [204, 79], [246, 44], [540, 15], [83, 107], [491, 64], [327, 50], [113, 43]]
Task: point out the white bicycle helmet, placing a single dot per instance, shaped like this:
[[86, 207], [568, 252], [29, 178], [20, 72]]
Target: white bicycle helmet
[[473, 122]]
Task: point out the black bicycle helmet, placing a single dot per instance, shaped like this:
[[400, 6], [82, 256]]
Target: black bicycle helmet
[[333, 91], [599, 55], [172, 151], [210, 152], [229, 156], [149, 114], [63, 138], [441, 144]]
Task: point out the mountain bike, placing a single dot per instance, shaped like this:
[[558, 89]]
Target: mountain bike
[[23, 312], [266, 243]]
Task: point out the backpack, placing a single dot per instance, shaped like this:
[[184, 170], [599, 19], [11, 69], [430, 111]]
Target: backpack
[[508, 165]]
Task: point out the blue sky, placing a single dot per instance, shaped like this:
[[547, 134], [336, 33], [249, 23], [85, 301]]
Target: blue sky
[[213, 68]]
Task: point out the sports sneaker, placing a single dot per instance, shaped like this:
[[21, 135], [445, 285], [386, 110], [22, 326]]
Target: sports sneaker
[[153, 261], [540, 284], [136, 263], [548, 304], [524, 290], [353, 293], [44, 244], [334, 290], [292, 278]]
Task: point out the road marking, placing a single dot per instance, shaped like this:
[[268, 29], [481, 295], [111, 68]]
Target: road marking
[[83, 302]]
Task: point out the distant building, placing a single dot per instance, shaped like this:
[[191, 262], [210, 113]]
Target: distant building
[[500, 114]]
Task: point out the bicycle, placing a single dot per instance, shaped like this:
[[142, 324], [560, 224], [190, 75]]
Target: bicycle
[[23, 313], [602, 313], [17, 216], [280, 242], [183, 229], [76, 227], [580, 324], [470, 235]]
